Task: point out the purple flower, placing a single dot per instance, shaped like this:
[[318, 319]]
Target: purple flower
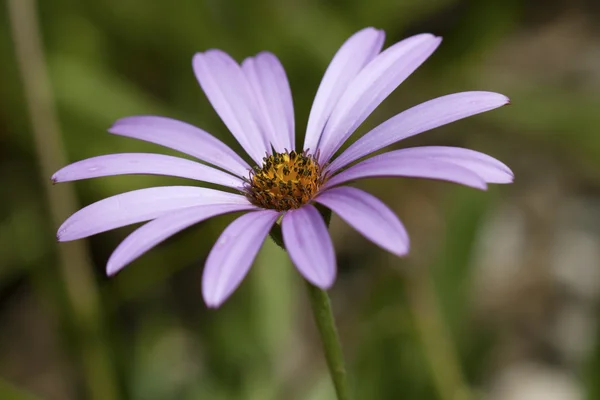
[[255, 102]]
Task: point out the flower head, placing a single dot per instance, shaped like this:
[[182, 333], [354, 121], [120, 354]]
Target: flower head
[[255, 103], [285, 181]]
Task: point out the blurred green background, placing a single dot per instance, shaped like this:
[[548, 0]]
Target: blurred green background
[[498, 299]]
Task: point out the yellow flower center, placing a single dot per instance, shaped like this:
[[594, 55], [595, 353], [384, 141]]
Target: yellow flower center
[[285, 181]]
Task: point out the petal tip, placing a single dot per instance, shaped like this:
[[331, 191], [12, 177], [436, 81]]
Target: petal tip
[[212, 301], [60, 236], [266, 53], [370, 29], [121, 121], [402, 249], [111, 271], [114, 127], [323, 282], [198, 57], [112, 267], [326, 285], [212, 298], [402, 253]]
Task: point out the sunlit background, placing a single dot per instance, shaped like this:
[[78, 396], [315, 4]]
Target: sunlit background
[[499, 298]]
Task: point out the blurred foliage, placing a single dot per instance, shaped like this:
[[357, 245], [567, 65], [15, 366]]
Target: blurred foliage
[[416, 328]]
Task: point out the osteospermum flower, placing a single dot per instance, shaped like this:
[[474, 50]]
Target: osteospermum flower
[[255, 103]]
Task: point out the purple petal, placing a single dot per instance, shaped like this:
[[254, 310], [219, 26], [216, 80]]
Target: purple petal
[[137, 206], [309, 245], [274, 99], [158, 230], [141, 163], [381, 166], [233, 254], [354, 54], [182, 137], [488, 168], [227, 89], [421, 118], [371, 86], [369, 216]]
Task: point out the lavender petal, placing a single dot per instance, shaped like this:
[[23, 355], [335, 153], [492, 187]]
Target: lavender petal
[[138, 206], [158, 230], [349, 60], [143, 163], [182, 137], [369, 216], [421, 118], [230, 94], [275, 108], [233, 254], [488, 168], [379, 166], [371, 86], [309, 245]]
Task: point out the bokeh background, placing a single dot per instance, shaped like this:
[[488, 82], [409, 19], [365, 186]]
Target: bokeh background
[[499, 298]]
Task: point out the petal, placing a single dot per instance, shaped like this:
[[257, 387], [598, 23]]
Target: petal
[[274, 99], [355, 53], [233, 254], [488, 168], [372, 85], [182, 137], [369, 216], [309, 245], [421, 118], [141, 163], [382, 166], [137, 206], [158, 230], [227, 89]]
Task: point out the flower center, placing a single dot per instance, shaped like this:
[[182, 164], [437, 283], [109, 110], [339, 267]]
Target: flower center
[[286, 180]]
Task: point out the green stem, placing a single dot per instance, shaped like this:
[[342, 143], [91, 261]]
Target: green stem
[[321, 309], [438, 346]]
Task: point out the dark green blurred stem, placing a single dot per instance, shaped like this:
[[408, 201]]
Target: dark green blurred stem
[[321, 309], [75, 268], [438, 346]]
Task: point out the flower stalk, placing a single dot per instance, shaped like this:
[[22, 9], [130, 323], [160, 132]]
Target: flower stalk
[[320, 306], [332, 348]]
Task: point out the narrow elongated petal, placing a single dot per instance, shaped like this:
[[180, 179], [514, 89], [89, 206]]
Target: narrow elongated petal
[[158, 230], [372, 85], [421, 118], [349, 60], [369, 216], [233, 254], [138, 206], [227, 89], [309, 245], [488, 168], [273, 99], [142, 163], [410, 168], [182, 137]]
